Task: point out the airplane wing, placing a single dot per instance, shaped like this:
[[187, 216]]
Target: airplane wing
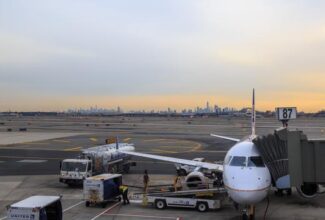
[[210, 166], [224, 137]]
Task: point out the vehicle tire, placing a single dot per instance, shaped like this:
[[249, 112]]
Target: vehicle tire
[[202, 206], [160, 204], [245, 217], [289, 192], [103, 204], [87, 203], [182, 172]]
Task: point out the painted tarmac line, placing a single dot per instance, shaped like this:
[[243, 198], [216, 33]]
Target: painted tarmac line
[[3, 218], [72, 149], [93, 139], [71, 207], [154, 140], [62, 141], [165, 151], [142, 216], [102, 213]]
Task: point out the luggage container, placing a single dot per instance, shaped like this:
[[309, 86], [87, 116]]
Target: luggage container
[[36, 208], [101, 189]]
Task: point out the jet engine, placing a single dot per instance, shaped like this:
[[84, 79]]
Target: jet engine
[[308, 190], [196, 180]]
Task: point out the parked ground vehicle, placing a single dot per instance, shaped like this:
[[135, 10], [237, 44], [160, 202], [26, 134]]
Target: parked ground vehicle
[[102, 189], [36, 208], [94, 161]]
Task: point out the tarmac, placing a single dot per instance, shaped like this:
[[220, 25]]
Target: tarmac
[[29, 161]]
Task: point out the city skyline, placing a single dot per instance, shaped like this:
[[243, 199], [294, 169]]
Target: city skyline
[[155, 54]]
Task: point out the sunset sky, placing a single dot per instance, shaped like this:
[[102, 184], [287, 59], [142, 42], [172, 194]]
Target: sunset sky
[[156, 54]]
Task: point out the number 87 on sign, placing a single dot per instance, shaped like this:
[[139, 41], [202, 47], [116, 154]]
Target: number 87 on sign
[[286, 113]]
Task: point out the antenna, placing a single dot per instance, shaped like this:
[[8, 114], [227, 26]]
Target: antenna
[[253, 115]]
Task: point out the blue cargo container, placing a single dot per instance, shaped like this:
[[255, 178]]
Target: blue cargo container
[[102, 188]]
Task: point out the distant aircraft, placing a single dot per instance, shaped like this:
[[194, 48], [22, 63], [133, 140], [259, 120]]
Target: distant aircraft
[[245, 176]]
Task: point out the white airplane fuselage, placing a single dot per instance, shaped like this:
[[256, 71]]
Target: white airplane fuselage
[[246, 178]]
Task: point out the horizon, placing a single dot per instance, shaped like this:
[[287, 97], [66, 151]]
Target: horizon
[[154, 55]]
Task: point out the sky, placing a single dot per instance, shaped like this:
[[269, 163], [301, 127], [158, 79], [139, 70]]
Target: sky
[[148, 54]]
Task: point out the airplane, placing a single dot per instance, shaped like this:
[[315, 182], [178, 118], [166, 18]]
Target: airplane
[[246, 178]]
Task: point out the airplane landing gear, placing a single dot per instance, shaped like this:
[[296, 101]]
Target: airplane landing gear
[[249, 213]]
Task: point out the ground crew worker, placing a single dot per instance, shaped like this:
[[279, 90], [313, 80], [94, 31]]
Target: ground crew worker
[[145, 181], [124, 191], [177, 183]]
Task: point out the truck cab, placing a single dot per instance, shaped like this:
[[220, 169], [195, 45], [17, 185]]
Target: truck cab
[[74, 171]]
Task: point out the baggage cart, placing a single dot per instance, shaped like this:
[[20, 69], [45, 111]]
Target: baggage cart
[[101, 189]]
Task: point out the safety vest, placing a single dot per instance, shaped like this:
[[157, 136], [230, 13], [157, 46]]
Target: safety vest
[[123, 188]]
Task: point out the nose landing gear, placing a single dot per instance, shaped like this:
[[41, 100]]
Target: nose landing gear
[[249, 213]]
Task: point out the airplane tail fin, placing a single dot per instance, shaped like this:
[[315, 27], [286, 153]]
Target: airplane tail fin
[[253, 115], [117, 143]]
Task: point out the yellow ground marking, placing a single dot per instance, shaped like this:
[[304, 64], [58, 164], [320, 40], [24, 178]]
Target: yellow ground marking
[[175, 147], [197, 147], [93, 139], [23, 157], [72, 149], [155, 140], [210, 151], [165, 151], [62, 141], [126, 139]]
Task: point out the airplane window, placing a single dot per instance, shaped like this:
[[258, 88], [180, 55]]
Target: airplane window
[[227, 160], [238, 161], [255, 162]]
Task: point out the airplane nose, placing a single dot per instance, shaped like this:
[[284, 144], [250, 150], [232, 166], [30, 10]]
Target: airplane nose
[[247, 197], [249, 186]]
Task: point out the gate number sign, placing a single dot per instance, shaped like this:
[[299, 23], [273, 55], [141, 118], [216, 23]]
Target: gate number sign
[[286, 113]]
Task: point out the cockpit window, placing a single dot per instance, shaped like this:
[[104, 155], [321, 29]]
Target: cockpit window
[[238, 161], [255, 162], [227, 160]]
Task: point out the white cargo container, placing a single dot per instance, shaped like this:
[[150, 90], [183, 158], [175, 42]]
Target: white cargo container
[[36, 208], [102, 188]]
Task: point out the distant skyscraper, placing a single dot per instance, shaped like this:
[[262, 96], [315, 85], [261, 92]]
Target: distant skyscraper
[[208, 107]]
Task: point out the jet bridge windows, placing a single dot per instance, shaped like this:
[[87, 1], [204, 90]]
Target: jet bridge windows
[[238, 161]]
